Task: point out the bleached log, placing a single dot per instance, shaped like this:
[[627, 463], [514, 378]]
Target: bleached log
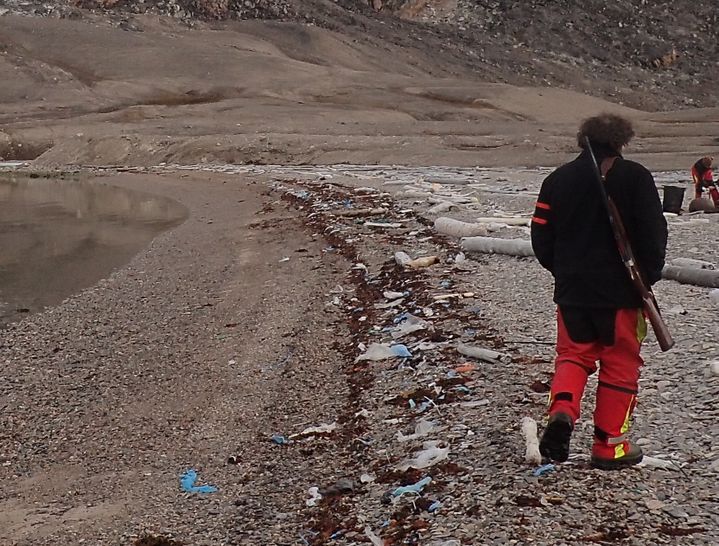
[[521, 247], [691, 275], [457, 228], [691, 262], [442, 206], [529, 431], [495, 245], [509, 220]]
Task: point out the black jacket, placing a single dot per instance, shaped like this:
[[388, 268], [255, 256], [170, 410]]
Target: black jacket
[[572, 238]]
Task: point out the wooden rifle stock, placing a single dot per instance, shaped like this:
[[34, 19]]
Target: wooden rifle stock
[[649, 302]]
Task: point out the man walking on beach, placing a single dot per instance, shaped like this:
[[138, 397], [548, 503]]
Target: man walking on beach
[[599, 311]]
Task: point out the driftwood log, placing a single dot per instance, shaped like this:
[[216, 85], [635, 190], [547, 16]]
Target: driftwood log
[[522, 247]]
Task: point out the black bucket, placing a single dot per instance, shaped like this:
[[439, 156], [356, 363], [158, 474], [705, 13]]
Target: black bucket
[[673, 199]]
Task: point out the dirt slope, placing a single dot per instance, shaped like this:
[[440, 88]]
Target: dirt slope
[[283, 92]]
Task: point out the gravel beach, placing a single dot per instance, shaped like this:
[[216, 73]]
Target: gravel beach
[[241, 363]]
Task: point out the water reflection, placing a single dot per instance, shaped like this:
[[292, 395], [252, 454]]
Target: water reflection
[[60, 236]]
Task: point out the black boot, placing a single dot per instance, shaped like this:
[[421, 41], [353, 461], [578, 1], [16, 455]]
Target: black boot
[[554, 444], [632, 455]]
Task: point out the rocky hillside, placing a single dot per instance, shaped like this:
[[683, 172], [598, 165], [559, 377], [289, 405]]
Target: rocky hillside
[[654, 55]]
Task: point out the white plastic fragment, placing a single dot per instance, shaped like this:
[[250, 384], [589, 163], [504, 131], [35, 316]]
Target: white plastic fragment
[[480, 353], [429, 456], [390, 295], [460, 258], [409, 325], [421, 429], [312, 431], [315, 497], [385, 225], [402, 258], [367, 478], [529, 431], [654, 462], [374, 539], [387, 305], [714, 295], [382, 351]]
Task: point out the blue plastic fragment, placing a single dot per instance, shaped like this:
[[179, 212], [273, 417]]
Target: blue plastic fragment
[[401, 317], [436, 505], [445, 284], [280, 440], [412, 404], [414, 488], [187, 482], [544, 469], [401, 351], [423, 406], [347, 203], [452, 374], [462, 388], [337, 535]]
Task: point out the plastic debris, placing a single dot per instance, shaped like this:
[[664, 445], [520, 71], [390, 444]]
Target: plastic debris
[[402, 258], [414, 488], [187, 482], [315, 497], [714, 295], [425, 261], [654, 462], [393, 295], [529, 431], [381, 351], [374, 539], [460, 258], [429, 456], [280, 440], [480, 353], [465, 368], [475, 403], [367, 478], [544, 469], [385, 225], [436, 505], [340, 487], [390, 304], [421, 429], [410, 325], [315, 431]]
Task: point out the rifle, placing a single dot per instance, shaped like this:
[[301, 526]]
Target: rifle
[[649, 302]]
